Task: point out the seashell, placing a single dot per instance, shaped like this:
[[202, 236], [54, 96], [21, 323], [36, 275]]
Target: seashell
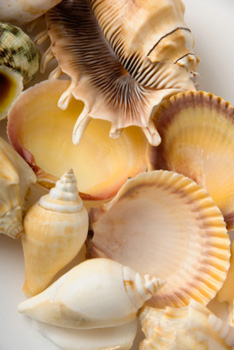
[[96, 293], [226, 293], [123, 58], [11, 85], [15, 179], [197, 132], [118, 337], [21, 11], [150, 216], [192, 327], [107, 165], [55, 228], [18, 52]]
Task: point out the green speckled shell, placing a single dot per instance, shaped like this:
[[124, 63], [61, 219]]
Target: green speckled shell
[[18, 52]]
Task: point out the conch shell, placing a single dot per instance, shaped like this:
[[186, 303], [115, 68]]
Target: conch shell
[[96, 293], [123, 58], [15, 179], [192, 327], [55, 230], [21, 11]]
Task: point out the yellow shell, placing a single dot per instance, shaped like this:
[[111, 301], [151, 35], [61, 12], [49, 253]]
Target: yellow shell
[[15, 178], [197, 132], [123, 58], [55, 230], [100, 164], [164, 224]]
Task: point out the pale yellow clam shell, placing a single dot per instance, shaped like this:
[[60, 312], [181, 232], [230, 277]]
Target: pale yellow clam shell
[[197, 131], [164, 224]]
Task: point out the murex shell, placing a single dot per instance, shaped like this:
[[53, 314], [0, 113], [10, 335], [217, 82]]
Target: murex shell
[[55, 229], [123, 58], [18, 52], [15, 178], [192, 327], [164, 224], [97, 293], [197, 131]]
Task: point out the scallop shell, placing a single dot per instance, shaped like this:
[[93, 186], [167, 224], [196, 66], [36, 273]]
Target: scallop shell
[[192, 327], [164, 224], [11, 85], [21, 11], [18, 52], [197, 132], [226, 293], [96, 293], [55, 229], [118, 337], [15, 179], [41, 133], [123, 58]]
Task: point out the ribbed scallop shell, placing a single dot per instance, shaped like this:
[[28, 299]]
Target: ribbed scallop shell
[[164, 224], [122, 59], [197, 131], [193, 327], [15, 178], [18, 52]]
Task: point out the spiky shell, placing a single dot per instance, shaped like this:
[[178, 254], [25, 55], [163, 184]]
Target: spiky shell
[[55, 230], [18, 52], [21, 11], [109, 50], [197, 131], [164, 224], [192, 328], [96, 293], [15, 179]]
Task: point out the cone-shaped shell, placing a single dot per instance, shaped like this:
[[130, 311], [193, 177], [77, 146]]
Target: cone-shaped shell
[[226, 293], [18, 52], [96, 293], [110, 51], [118, 337], [193, 327], [55, 230], [164, 224], [197, 132], [21, 11], [11, 85], [41, 133], [15, 178]]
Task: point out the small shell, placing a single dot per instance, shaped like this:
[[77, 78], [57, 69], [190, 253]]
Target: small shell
[[109, 338], [197, 131], [55, 228], [18, 52], [95, 294], [21, 11], [193, 327], [226, 293], [122, 59], [150, 216], [41, 133], [15, 179], [11, 85]]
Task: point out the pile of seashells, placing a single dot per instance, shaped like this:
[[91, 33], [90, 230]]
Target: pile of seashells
[[153, 210]]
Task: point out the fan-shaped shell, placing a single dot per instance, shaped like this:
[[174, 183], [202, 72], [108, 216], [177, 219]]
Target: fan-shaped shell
[[41, 133], [15, 179], [197, 132], [118, 61], [18, 52], [193, 327], [164, 224], [21, 11]]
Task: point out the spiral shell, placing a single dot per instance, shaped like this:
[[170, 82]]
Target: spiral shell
[[55, 230]]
